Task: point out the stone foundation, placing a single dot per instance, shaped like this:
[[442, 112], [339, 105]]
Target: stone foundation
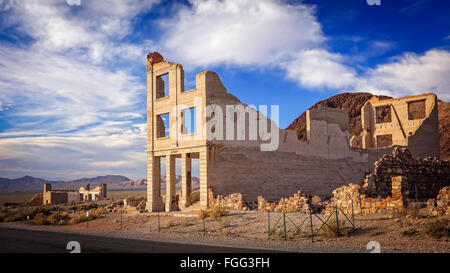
[[441, 205], [425, 176], [234, 201], [349, 198], [299, 202]]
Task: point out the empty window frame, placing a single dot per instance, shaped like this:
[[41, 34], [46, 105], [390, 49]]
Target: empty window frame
[[162, 125], [189, 120], [383, 114], [384, 141], [162, 86], [416, 109]]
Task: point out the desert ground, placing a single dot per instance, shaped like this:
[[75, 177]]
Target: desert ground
[[249, 229]]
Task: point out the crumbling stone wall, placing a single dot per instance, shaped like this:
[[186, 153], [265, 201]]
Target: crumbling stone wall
[[441, 205], [425, 176], [234, 201], [300, 201], [350, 199]]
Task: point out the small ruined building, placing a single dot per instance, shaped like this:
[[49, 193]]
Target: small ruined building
[[239, 159], [54, 197]]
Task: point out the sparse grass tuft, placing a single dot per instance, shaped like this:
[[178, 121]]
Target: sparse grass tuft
[[413, 209], [330, 229], [184, 223], [437, 228], [224, 223], [169, 224], [410, 232], [217, 212], [78, 219], [202, 214]]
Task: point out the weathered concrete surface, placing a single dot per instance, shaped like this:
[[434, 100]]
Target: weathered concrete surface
[[234, 160]]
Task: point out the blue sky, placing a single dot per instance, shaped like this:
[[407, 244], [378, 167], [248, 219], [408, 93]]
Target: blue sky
[[72, 77]]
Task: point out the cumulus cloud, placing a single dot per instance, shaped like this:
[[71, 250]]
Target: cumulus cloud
[[318, 67], [288, 35], [410, 74], [72, 110], [239, 32], [92, 30], [74, 155]]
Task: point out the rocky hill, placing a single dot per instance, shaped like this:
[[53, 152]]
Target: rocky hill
[[354, 102]]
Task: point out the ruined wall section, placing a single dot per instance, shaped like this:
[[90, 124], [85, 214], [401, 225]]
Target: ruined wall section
[[317, 166], [409, 121], [425, 176]]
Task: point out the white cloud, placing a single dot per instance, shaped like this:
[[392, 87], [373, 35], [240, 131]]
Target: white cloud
[[71, 109], [410, 74], [277, 34], [319, 68], [90, 30], [64, 157], [239, 32]]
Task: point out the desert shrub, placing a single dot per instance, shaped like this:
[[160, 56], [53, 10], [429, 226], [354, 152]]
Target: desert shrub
[[410, 232], [437, 228], [217, 212], [223, 224], [330, 229], [40, 219], [58, 218], [12, 216], [202, 214], [413, 209], [98, 212], [169, 224], [2, 216], [78, 219], [184, 223], [398, 213], [225, 232]]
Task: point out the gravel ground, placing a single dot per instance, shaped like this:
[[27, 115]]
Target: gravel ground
[[249, 230]]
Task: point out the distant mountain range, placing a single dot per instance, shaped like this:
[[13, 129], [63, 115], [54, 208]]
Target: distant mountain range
[[114, 182]]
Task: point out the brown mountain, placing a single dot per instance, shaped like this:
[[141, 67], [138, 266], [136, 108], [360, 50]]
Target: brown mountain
[[354, 102]]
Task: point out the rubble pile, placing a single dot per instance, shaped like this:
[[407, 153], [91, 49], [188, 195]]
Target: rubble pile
[[134, 204], [348, 198], [425, 175], [300, 201], [36, 200], [234, 201], [441, 205]]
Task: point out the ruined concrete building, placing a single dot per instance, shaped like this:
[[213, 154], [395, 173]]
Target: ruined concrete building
[[54, 197], [240, 150]]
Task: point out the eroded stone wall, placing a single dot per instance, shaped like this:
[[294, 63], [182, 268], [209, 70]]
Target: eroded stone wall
[[426, 176]]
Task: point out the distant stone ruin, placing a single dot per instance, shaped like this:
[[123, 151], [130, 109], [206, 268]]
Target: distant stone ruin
[[54, 197]]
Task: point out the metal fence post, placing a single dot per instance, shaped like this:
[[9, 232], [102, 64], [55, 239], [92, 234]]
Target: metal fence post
[[268, 225], [204, 227], [311, 224], [159, 227], [284, 223], [120, 219], [337, 219], [353, 216]]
